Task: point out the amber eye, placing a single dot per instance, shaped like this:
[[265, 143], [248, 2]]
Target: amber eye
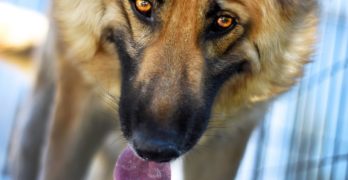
[[225, 22], [143, 6]]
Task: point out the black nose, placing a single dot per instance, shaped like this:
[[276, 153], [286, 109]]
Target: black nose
[[155, 149]]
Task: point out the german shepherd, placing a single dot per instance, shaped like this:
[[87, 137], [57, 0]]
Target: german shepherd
[[171, 78]]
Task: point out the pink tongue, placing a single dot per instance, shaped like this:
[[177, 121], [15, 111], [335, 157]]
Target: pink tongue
[[130, 167]]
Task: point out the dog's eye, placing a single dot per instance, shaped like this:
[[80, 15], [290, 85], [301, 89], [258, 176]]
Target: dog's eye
[[224, 22], [221, 25], [144, 7]]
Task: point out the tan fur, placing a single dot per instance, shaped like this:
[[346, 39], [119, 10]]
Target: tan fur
[[275, 37], [279, 69]]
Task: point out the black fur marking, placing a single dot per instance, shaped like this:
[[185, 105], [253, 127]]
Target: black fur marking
[[127, 70]]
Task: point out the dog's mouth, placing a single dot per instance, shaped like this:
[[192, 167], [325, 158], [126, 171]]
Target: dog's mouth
[[130, 166], [158, 138]]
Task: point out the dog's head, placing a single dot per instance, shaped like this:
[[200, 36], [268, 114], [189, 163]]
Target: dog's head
[[182, 59]]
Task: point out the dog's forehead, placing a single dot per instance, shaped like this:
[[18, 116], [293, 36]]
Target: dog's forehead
[[200, 7], [201, 1], [207, 3], [187, 5]]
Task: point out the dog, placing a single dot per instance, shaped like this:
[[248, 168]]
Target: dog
[[170, 78]]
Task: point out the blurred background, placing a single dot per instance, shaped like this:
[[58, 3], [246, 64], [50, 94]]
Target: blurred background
[[304, 135]]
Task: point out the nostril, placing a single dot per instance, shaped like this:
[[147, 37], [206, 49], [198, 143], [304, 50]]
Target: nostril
[[158, 151]]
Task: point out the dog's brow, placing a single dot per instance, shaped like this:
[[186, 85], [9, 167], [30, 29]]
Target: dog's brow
[[216, 5], [161, 1], [220, 2], [213, 7]]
